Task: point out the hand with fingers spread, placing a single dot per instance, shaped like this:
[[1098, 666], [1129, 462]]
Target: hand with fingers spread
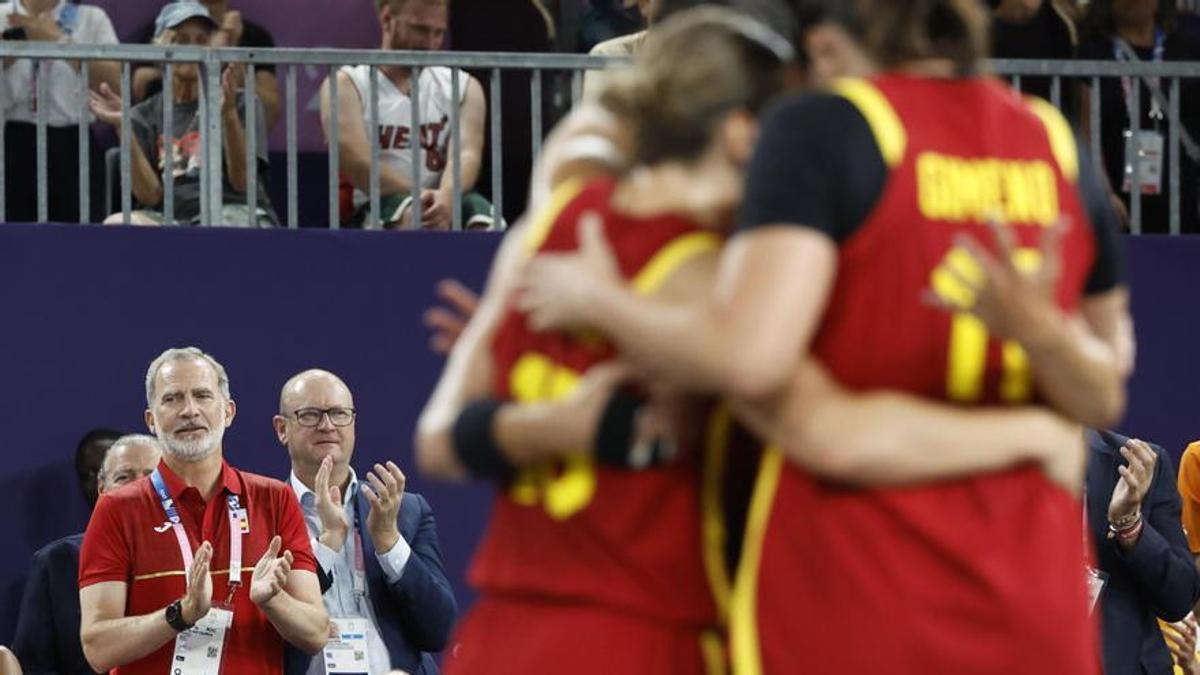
[[198, 600], [1181, 641], [384, 490], [1014, 298], [1125, 507], [106, 105], [448, 321], [556, 289], [271, 573], [334, 526]]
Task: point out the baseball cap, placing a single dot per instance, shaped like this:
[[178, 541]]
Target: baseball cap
[[175, 13]]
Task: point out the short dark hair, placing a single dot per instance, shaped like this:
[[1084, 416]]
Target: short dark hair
[[98, 435]]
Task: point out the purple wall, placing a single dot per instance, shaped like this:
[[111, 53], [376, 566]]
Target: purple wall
[[86, 308]]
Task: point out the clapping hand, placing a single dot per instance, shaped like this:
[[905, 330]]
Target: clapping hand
[[384, 490], [198, 600], [1181, 641], [271, 573], [1134, 482], [106, 105], [334, 527]]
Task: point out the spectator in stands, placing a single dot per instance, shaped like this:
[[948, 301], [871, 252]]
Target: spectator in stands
[[623, 45], [1036, 29], [1143, 31], [233, 31], [47, 635], [61, 22], [188, 23], [1145, 571], [89, 456], [409, 25], [606, 20], [404, 606]]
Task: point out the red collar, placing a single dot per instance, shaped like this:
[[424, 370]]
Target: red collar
[[229, 480]]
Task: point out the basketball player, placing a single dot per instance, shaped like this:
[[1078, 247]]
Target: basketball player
[[865, 213], [588, 567], [410, 25]]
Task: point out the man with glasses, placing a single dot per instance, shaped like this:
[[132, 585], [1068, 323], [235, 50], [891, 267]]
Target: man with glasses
[[389, 597]]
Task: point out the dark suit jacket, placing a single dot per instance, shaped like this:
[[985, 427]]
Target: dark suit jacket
[[1158, 578], [47, 637], [417, 612]]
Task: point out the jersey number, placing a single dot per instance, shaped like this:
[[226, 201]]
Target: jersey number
[[563, 487], [969, 337]]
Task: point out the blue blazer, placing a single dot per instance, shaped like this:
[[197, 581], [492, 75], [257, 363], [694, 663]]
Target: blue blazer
[[1157, 579], [47, 637], [417, 612]]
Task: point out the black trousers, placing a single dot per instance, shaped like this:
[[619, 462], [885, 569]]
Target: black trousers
[[62, 173]]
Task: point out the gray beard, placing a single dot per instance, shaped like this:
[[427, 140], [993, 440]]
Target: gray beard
[[194, 450]]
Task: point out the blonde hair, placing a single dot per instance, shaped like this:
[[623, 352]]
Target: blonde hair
[[692, 71]]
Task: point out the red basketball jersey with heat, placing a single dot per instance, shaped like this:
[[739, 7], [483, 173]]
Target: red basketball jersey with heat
[[572, 531], [983, 575]]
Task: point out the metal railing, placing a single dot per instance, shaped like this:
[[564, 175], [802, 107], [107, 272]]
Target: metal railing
[[1062, 74], [212, 61]]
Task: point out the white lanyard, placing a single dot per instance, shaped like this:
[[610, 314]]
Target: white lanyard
[[185, 547], [1124, 52]]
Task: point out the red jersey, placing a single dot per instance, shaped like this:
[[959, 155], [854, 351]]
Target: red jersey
[[130, 540], [572, 531], [980, 575]]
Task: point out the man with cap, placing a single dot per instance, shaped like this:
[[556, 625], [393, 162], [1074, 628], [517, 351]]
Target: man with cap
[[189, 24]]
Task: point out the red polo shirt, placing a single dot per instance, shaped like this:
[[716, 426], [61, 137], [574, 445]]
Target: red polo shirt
[[129, 539]]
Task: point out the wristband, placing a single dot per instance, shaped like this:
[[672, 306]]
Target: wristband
[[1130, 535], [614, 434], [474, 444], [1127, 521]]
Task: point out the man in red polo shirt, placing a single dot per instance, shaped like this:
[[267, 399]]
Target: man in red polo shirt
[[165, 585]]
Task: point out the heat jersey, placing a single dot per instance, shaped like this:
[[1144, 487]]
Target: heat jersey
[[395, 122]]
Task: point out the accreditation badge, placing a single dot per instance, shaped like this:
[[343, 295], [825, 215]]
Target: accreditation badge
[[1095, 585], [1148, 147], [198, 650], [346, 651]]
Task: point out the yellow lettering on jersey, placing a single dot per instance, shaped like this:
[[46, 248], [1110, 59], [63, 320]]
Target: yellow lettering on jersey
[[967, 357], [564, 487], [960, 190]]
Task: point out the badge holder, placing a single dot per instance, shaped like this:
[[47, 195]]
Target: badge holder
[[346, 651]]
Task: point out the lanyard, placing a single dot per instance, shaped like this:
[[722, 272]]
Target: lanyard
[[360, 567], [1122, 51], [185, 547]]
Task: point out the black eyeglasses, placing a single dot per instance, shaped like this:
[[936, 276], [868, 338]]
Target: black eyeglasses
[[311, 417]]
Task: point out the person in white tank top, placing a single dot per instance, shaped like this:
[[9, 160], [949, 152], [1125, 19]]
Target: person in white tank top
[[409, 25]]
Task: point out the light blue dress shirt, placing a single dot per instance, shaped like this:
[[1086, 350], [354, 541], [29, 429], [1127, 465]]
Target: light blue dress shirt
[[341, 600]]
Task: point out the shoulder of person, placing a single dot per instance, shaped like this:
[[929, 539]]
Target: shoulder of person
[[258, 485], [67, 546], [624, 45]]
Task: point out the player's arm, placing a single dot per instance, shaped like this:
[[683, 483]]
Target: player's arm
[[890, 438], [111, 639], [472, 116], [354, 148]]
